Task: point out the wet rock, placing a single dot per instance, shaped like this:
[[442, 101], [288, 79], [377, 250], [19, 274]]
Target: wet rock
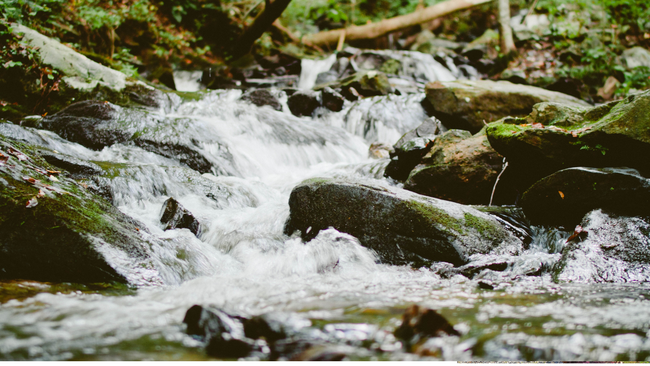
[[405, 64], [97, 124], [175, 216], [399, 225], [459, 167], [327, 77], [262, 97], [481, 46], [616, 249], [411, 147], [557, 136], [77, 168], [55, 230], [636, 57], [332, 100], [419, 323], [303, 103], [470, 105], [224, 335], [385, 118], [564, 197]]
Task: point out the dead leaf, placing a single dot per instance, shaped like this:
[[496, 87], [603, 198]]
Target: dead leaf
[[30, 180], [561, 194], [579, 233], [40, 194], [20, 156], [31, 203], [53, 178], [54, 171], [3, 158]]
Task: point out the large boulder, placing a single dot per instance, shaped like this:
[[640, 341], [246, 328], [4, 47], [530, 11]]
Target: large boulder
[[459, 167], [607, 248], [399, 225], [564, 197], [97, 124], [556, 136], [470, 105], [636, 57], [54, 230]]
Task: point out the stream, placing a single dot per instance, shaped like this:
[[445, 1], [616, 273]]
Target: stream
[[331, 287]]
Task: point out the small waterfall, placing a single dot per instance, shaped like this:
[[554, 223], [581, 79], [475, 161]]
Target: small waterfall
[[311, 69]]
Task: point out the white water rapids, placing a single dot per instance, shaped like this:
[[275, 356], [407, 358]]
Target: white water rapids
[[244, 264]]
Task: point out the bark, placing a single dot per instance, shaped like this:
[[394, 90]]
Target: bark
[[374, 30], [505, 32], [261, 24]]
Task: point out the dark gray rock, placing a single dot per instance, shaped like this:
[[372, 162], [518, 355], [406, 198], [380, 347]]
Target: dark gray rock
[[332, 99], [611, 249], [411, 147], [54, 230], [77, 168], [303, 103], [400, 226], [564, 197], [175, 216], [262, 97], [97, 124]]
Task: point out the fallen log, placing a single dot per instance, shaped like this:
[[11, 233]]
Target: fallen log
[[374, 30]]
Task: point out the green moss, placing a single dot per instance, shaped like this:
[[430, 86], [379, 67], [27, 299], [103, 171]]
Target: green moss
[[484, 227], [436, 215]]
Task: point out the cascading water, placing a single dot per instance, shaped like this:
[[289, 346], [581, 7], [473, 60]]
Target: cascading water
[[243, 263]]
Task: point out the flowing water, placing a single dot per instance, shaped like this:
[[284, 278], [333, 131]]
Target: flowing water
[[244, 264]]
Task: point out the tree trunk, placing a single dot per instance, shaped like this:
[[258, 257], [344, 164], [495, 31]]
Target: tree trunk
[[505, 32], [261, 24], [374, 30]]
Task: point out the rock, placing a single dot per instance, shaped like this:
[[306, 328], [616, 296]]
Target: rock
[[419, 323], [96, 125], [77, 168], [303, 103], [379, 151], [613, 249], [327, 77], [223, 334], [405, 64], [607, 91], [175, 216], [411, 147], [262, 97], [54, 230], [556, 136], [636, 57], [564, 197], [365, 83], [458, 167], [481, 46], [469, 105], [332, 100], [400, 226]]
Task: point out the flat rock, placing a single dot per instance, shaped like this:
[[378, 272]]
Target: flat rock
[[401, 226], [470, 105]]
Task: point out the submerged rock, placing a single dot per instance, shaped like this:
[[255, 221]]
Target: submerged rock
[[612, 249], [97, 124], [459, 167], [557, 136], [54, 230], [262, 97], [419, 323], [175, 216], [564, 197], [400, 226], [470, 105]]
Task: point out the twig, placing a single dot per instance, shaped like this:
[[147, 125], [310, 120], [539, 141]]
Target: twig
[[529, 11], [505, 165]]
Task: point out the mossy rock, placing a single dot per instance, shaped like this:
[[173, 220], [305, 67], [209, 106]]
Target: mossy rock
[[554, 137], [54, 230], [400, 226], [470, 105]]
